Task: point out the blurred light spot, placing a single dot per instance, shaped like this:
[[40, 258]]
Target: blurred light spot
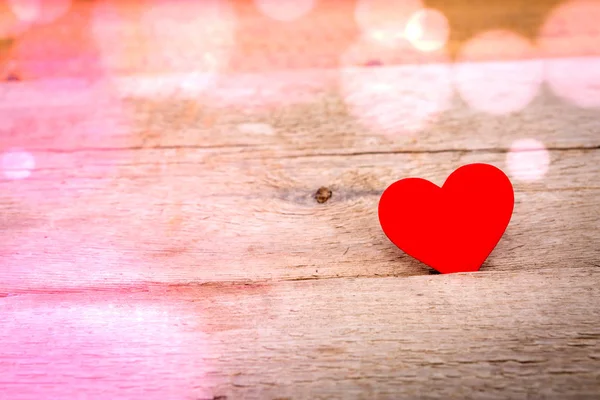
[[369, 52], [70, 334], [385, 20], [576, 80], [26, 10], [255, 129], [398, 99], [64, 114], [10, 24], [389, 37], [528, 160], [572, 30], [427, 30], [38, 11], [498, 72], [285, 10], [183, 47], [17, 164]]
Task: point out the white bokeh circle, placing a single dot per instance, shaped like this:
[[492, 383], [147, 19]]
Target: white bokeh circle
[[528, 160], [427, 30], [17, 164], [497, 72], [396, 99], [385, 20]]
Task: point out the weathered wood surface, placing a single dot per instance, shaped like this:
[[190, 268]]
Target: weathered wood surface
[[168, 243], [496, 335], [129, 220], [249, 220], [188, 202]]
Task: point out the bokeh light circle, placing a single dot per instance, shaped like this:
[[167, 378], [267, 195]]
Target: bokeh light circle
[[570, 41], [72, 127], [69, 335], [17, 164], [397, 97], [427, 30], [385, 20], [498, 72], [285, 10], [186, 46], [40, 11], [528, 160], [26, 10], [10, 24]]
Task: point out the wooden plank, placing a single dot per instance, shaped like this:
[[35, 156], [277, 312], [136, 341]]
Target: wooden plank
[[515, 334], [199, 215], [309, 110], [165, 189], [334, 110]]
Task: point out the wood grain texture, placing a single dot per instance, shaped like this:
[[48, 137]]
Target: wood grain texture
[[519, 334], [235, 200], [250, 220], [168, 243]]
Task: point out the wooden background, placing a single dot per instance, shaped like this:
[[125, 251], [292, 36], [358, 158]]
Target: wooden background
[[168, 246]]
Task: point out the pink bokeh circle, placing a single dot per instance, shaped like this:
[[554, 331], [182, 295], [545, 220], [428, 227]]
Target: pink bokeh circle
[[570, 41], [39, 11], [175, 48]]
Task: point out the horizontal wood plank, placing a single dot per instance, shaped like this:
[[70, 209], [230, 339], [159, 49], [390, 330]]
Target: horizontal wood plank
[[529, 333], [292, 113], [199, 215]]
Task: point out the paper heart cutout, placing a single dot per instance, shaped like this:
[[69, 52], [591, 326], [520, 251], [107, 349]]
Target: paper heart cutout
[[453, 228]]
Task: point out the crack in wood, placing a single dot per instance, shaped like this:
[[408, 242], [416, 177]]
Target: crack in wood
[[433, 151]]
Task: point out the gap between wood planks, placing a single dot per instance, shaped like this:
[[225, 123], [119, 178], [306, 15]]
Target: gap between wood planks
[[158, 287], [502, 333], [336, 154]]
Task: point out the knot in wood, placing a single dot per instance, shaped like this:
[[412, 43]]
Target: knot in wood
[[323, 194]]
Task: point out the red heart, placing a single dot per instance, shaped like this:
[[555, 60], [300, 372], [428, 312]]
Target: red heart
[[453, 228]]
